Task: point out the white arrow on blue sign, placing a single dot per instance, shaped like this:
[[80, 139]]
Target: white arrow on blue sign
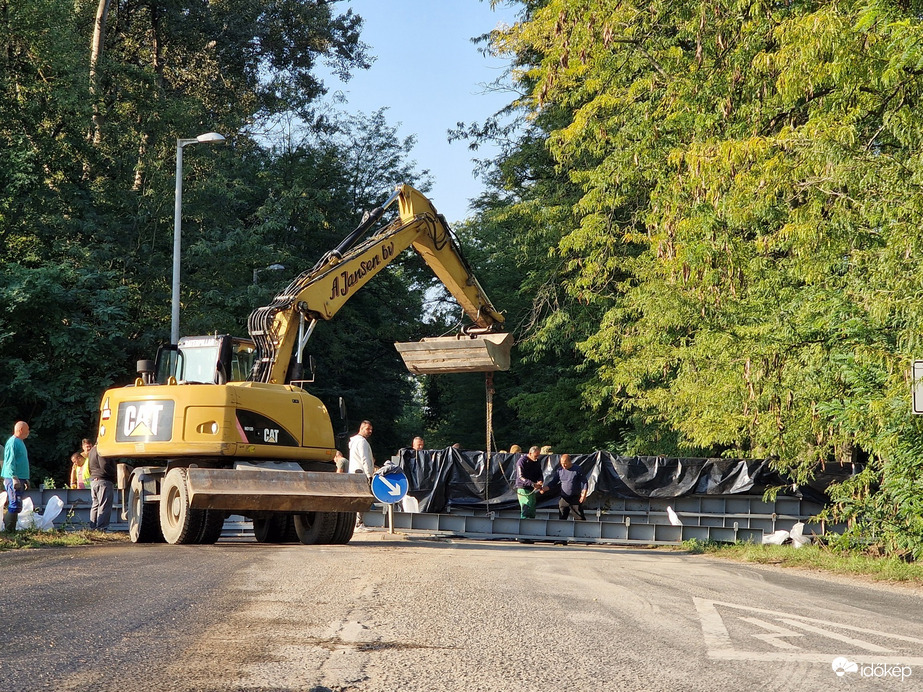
[[389, 487]]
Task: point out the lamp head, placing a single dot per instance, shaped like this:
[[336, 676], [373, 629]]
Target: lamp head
[[210, 138]]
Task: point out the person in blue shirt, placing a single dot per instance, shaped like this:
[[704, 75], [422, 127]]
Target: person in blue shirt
[[574, 488], [15, 473]]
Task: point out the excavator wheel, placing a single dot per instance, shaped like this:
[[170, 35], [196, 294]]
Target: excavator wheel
[[180, 523], [211, 526], [143, 517], [346, 524], [270, 528], [290, 535], [316, 527]]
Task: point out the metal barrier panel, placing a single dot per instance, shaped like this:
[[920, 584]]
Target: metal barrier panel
[[688, 504], [750, 536], [613, 532], [590, 530], [788, 505], [561, 528], [428, 522], [76, 510], [737, 505], [668, 534], [695, 533], [479, 525], [767, 525], [722, 535], [451, 522], [507, 526], [641, 532], [532, 527], [714, 505]]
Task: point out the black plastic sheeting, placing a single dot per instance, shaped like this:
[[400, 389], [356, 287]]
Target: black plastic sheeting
[[441, 479]]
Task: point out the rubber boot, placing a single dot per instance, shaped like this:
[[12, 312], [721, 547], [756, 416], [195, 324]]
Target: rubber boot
[[9, 521]]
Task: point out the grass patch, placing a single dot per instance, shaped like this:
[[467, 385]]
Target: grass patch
[[33, 538], [821, 558]]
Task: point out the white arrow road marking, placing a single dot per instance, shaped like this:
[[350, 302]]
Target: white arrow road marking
[[776, 633], [392, 489], [718, 640]]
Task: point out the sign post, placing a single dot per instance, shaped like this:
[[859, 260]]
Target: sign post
[[389, 488]]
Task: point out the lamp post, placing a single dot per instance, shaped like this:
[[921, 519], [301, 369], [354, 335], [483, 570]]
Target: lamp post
[[271, 267], [207, 138]]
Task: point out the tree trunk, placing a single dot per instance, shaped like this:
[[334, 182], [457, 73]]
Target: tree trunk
[[96, 50]]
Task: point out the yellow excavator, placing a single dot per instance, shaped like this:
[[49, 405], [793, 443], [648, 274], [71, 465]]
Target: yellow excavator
[[222, 425]]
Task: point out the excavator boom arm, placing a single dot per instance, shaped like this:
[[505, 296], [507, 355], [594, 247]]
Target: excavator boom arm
[[320, 292]]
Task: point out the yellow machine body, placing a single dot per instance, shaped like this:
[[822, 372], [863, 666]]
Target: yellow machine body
[[216, 422]]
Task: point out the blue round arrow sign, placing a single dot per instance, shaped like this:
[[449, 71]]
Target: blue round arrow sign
[[389, 487]]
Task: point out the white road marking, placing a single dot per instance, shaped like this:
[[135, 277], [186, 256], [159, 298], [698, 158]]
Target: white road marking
[[718, 641], [868, 646], [775, 633]]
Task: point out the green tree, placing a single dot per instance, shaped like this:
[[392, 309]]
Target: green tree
[[88, 129], [748, 208]]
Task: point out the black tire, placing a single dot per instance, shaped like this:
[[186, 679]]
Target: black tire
[[289, 534], [211, 526], [179, 523], [269, 528], [315, 528], [346, 525], [143, 517]]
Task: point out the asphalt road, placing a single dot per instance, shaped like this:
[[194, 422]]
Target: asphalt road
[[388, 613]]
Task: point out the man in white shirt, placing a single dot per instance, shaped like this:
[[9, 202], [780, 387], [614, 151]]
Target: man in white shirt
[[360, 452]]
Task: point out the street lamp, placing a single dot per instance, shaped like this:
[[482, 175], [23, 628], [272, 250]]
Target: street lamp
[[271, 267], [207, 138]]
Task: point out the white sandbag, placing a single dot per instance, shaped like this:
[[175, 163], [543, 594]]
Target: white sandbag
[[799, 540], [45, 521], [410, 505], [776, 538], [27, 515], [674, 519]]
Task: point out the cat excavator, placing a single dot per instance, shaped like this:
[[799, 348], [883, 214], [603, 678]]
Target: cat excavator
[[221, 425]]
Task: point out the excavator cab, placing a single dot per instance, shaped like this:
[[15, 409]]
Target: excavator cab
[[217, 359]]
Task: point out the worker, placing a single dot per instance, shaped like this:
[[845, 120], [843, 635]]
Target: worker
[[417, 444], [361, 459], [528, 482], [360, 452], [573, 484], [80, 472], [15, 473], [103, 476]]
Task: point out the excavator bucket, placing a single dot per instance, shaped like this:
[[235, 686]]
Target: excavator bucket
[[245, 489], [481, 353]]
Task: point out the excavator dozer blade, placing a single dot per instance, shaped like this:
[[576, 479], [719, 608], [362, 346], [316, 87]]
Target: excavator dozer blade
[[482, 353], [251, 490]]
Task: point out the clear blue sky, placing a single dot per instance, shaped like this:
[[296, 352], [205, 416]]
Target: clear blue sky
[[430, 76]]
